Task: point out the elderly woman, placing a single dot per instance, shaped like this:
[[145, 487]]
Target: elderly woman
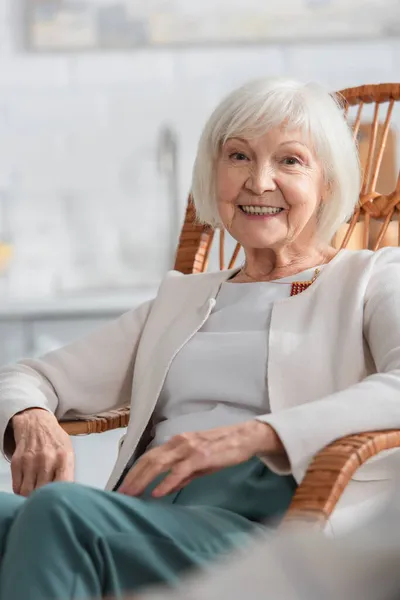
[[236, 379]]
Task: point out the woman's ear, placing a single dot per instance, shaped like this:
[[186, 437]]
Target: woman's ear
[[325, 196], [328, 189]]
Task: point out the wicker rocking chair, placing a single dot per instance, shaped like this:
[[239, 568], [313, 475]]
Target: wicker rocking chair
[[370, 227]]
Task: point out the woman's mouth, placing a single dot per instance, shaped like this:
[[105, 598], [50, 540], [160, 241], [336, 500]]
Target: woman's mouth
[[260, 211]]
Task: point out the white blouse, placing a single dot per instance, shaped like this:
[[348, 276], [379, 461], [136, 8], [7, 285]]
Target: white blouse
[[220, 376]]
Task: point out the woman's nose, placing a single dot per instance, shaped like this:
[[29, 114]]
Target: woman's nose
[[261, 179]]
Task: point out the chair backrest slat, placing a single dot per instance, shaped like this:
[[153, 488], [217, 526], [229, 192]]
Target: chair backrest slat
[[371, 151], [357, 122], [382, 145]]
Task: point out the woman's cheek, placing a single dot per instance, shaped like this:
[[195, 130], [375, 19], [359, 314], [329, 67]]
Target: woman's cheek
[[227, 213], [228, 193]]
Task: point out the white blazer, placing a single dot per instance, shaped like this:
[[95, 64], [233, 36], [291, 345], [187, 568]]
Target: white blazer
[[333, 367]]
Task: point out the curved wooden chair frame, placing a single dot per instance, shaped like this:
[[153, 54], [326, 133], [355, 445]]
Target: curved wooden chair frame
[[332, 469]]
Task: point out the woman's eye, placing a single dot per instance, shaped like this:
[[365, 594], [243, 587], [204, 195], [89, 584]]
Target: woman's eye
[[291, 160], [238, 156]]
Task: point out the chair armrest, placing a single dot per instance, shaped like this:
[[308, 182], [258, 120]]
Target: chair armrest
[[330, 472], [100, 423]]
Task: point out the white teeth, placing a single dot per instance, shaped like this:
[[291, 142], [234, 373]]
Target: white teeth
[[261, 210]]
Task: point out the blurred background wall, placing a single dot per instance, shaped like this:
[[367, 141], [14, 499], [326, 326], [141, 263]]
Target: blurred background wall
[[98, 136]]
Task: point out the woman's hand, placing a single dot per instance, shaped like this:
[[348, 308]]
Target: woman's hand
[[43, 451], [190, 455]]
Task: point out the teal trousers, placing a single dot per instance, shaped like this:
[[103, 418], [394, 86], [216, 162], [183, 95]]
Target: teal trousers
[[68, 541]]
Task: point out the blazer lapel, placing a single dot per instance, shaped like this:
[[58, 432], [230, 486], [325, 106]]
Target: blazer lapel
[[165, 335]]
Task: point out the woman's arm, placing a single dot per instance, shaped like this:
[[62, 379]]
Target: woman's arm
[[91, 375], [372, 404]]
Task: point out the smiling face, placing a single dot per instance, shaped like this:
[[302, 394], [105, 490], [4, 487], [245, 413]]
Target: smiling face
[[269, 189]]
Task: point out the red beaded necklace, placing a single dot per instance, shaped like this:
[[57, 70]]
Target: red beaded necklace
[[296, 286], [300, 286]]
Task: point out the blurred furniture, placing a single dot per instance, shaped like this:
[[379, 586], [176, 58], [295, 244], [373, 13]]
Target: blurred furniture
[[334, 466], [5, 254]]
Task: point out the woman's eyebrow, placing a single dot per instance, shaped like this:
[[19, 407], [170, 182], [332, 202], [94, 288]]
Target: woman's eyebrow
[[294, 142], [237, 139]]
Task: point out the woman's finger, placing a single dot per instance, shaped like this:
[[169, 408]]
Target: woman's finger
[[170, 485], [180, 472], [135, 482], [157, 493], [65, 472], [45, 472], [196, 463], [186, 482], [137, 473], [151, 465], [16, 473], [28, 483], [224, 454], [28, 471]]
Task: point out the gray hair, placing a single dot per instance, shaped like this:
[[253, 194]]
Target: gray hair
[[260, 105]]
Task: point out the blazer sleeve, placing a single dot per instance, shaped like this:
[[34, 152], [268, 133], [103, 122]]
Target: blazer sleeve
[[371, 404], [91, 375]]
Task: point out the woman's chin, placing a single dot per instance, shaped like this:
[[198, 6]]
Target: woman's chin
[[259, 240]]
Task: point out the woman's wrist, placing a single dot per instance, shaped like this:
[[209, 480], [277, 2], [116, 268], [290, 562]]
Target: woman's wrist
[[268, 440]]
